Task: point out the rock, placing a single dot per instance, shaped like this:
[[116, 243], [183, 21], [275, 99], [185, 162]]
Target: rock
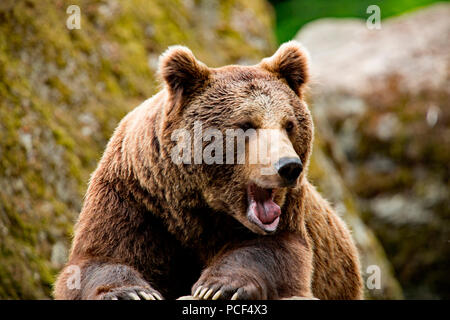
[[325, 176], [59, 254], [381, 100], [393, 56]]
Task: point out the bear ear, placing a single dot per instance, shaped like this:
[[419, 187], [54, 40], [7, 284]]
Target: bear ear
[[290, 63], [181, 71]]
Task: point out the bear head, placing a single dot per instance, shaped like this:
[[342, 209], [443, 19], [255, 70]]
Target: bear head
[[212, 112]]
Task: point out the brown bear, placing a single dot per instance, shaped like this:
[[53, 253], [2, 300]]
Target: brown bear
[[152, 227]]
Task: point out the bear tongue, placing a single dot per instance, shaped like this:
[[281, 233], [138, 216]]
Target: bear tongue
[[262, 204], [267, 211]]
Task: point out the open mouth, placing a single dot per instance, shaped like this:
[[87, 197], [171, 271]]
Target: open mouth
[[262, 210]]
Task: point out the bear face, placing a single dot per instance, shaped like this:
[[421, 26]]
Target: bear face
[[263, 104]]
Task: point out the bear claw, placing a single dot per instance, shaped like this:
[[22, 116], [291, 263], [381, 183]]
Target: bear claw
[[197, 291], [217, 295], [204, 293], [134, 296], [148, 296], [131, 293], [208, 293]]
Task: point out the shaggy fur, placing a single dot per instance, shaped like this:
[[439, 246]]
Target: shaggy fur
[[149, 225]]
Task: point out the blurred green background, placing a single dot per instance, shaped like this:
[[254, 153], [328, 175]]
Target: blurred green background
[[291, 15]]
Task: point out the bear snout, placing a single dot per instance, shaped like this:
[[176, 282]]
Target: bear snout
[[289, 169]]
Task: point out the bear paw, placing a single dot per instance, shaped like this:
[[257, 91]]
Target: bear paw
[[130, 293], [228, 289]]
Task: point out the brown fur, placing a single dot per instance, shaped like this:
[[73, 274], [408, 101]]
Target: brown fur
[[150, 225]]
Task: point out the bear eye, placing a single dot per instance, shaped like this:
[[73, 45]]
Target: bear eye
[[246, 126], [289, 126]]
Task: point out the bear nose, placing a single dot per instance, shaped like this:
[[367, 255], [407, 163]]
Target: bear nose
[[289, 169]]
